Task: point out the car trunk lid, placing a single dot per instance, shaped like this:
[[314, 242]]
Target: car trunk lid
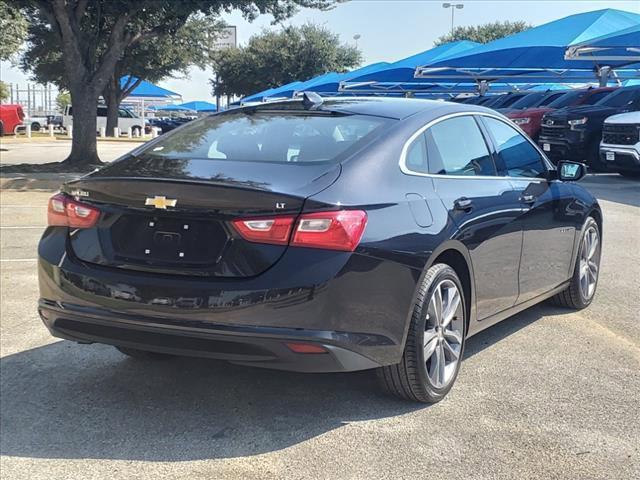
[[174, 216]]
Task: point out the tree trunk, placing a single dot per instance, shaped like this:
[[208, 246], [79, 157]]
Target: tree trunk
[[84, 151], [111, 98]]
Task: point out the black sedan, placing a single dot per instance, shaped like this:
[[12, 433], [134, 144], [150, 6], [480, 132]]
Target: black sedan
[[315, 236]]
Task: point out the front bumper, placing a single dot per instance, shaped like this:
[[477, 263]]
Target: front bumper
[[354, 305], [572, 147], [624, 158]]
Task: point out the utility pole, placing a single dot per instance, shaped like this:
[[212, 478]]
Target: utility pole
[[453, 7]]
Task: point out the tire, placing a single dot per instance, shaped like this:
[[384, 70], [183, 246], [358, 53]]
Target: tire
[[413, 378], [35, 126], [136, 131], [143, 354], [575, 296]]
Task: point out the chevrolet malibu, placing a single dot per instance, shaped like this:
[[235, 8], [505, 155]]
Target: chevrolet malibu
[[320, 236]]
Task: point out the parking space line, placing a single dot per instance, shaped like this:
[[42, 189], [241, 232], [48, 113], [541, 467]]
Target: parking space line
[[2, 260], [22, 206]]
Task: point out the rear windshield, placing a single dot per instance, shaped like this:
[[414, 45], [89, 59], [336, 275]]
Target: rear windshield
[[270, 137]]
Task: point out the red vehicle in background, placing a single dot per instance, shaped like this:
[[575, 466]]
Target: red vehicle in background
[[530, 119], [11, 117]]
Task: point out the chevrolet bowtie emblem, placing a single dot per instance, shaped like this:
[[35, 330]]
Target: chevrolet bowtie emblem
[[161, 202]]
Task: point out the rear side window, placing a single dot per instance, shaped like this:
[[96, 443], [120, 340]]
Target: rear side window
[[278, 137], [456, 147], [520, 158], [416, 159]]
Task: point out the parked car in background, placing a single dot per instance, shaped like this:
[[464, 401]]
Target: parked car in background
[[37, 122], [575, 132], [320, 236], [620, 146], [503, 101], [530, 119], [11, 117], [534, 99], [164, 124], [55, 120], [126, 119]]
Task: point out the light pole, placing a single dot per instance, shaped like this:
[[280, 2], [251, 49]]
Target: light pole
[[356, 37], [453, 7]]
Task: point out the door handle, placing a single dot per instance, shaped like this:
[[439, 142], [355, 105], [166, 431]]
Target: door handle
[[528, 198], [463, 203]]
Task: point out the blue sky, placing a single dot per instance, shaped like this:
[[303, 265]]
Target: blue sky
[[389, 29]]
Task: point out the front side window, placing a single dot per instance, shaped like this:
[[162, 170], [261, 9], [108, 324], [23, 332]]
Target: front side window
[[456, 147], [277, 137], [520, 158]]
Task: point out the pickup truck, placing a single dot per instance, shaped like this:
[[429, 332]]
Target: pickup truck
[[620, 146], [574, 133], [530, 119]]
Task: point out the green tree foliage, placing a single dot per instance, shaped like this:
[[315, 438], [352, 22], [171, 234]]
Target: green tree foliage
[[483, 33], [152, 59], [272, 59], [13, 30], [4, 91], [93, 35], [63, 99]]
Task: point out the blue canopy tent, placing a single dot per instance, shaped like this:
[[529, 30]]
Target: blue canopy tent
[[403, 70], [289, 90], [537, 54], [200, 107], [620, 46], [147, 90], [282, 92], [329, 83], [257, 97]]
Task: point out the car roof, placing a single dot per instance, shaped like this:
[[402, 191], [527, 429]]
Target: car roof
[[397, 108]]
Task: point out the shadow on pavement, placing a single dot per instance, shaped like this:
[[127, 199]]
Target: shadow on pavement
[[65, 400]]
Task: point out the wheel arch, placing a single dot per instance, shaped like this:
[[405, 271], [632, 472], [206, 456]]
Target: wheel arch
[[456, 255]]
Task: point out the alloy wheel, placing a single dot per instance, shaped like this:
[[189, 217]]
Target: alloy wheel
[[589, 262], [443, 333]]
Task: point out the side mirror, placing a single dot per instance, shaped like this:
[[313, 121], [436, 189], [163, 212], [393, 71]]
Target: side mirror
[[570, 171]]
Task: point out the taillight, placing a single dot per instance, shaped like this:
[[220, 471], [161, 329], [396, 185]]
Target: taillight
[[338, 230], [63, 211], [341, 230], [275, 230]]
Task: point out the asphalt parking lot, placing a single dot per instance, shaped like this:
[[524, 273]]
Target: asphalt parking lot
[[547, 394]]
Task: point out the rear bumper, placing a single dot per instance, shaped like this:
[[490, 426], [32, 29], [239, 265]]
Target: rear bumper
[[254, 346], [356, 306]]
